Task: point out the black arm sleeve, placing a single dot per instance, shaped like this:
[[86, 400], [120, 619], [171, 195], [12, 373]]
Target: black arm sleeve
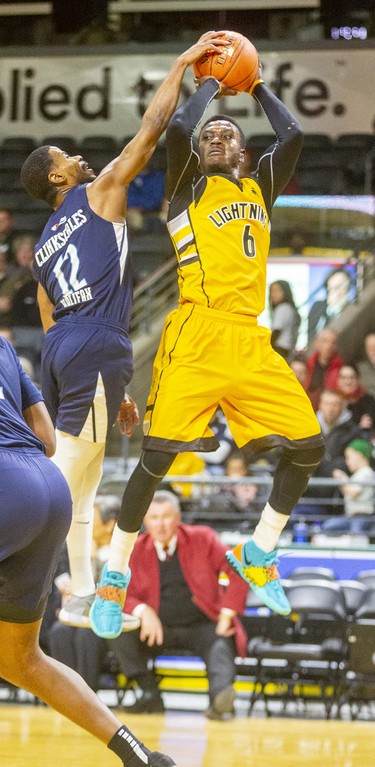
[[182, 155], [276, 166]]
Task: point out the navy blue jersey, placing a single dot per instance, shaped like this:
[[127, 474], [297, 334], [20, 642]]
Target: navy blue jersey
[[82, 262], [17, 392]]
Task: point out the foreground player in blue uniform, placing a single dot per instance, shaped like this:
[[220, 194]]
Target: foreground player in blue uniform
[[35, 514], [85, 297]]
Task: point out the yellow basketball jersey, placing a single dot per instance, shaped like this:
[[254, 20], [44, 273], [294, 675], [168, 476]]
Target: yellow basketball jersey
[[222, 248]]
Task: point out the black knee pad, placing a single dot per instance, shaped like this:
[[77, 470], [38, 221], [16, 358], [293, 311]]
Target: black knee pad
[[291, 477], [140, 488], [156, 463], [308, 457]]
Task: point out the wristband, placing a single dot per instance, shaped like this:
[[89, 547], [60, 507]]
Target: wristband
[[256, 82]]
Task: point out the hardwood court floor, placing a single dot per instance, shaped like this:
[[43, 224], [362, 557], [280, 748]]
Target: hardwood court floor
[[36, 736]]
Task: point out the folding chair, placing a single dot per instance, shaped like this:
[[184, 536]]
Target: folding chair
[[354, 593], [359, 689], [305, 651], [367, 577], [311, 573]]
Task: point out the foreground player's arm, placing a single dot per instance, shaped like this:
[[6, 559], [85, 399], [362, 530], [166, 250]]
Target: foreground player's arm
[[34, 410], [183, 158], [107, 194], [38, 420], [276, 166], [45, 308]]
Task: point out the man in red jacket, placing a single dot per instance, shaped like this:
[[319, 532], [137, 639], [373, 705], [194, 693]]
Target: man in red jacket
[[323, 365], [175, 591]]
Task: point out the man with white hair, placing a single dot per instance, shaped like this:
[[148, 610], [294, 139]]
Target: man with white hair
[[181, 604]]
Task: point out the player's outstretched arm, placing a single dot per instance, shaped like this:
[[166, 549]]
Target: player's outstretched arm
[[276, 167], [118, 174], [164, 102]]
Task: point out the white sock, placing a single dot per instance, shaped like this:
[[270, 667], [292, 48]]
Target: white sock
[[269, 528], [122, 545], [80, 461], [79, 542]]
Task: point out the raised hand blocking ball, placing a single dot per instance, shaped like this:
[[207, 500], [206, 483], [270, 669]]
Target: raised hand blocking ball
[[237, 66]]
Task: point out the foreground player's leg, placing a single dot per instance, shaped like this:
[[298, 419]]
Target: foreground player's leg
[[106, 612], [256, 560], [65, 691]]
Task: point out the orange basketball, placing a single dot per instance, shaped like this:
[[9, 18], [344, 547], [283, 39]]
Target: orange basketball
[[237, 66]]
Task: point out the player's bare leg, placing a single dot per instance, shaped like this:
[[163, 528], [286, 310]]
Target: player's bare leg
[[65, 691]]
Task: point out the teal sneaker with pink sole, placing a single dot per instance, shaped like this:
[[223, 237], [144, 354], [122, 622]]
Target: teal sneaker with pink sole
[[258, 569], [106, 613]]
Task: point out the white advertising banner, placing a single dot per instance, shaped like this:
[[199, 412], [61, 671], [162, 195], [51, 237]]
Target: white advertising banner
[[329, 91]]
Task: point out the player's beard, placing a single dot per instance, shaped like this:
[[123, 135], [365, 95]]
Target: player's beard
[[223, 165], [85, 177]]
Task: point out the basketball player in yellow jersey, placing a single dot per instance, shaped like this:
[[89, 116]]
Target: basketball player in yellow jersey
[[212, 351]]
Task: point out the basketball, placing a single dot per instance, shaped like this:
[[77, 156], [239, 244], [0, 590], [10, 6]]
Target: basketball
[[237, 66]]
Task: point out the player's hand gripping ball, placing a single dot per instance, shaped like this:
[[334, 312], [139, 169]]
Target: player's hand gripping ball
[[237, 66]]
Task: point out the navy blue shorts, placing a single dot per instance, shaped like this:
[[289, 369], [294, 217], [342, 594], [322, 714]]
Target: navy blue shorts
[[86, 364], [35, 516]]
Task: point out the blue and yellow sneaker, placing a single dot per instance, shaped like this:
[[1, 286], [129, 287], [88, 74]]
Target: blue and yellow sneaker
[[259, 570], [106, 617]]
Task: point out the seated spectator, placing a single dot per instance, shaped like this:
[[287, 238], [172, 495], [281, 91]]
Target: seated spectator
[[339, 429], [323, 365], [338, 286], [239, 496], [78, 648], [292, 245], [175, 592], [217, 504], [26, 320], [187, 464], [299, 366], [26, 312], [215, 459], [146, 201], [13, 278], [297, 242], [358, 401], [359, 499], [8, 334], [7, 234], [366, 367], [285, 320], [6, 292]]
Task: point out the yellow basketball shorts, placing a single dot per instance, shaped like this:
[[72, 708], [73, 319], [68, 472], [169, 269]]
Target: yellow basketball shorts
[[208, 358]]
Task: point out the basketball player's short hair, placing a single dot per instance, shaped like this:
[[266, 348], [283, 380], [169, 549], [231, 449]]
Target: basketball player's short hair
[[34, 175], [216, 118], [165, 496]]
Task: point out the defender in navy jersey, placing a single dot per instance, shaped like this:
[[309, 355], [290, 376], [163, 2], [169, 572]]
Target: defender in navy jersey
[[35, 514], [212, 352], [85, 295]]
